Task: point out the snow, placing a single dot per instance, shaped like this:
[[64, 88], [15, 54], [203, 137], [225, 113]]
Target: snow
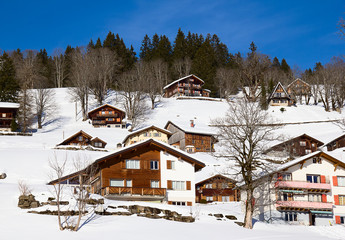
[[27, 158], [9, 105]]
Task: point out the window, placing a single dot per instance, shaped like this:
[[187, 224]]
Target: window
[[286, 176], [290, 217], [225, 198], [4, 115], [208, 185], [178, 185], [154, 165], [341, 199], [80, 138], [98, 144], [157, 134], [133, 164], [307, 151], [317, 160], [117, 183], [154, 183], [302, 143], [287, 197], [111, 119], [147, 134], [209, 198], [313, 145], [313, 178], [341, 181], [314, 197], [129, 183], [170, 164], [179, 203], [103, 112], [342, 220]]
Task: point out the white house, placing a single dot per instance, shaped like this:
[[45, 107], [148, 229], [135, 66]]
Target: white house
[[309, 190]]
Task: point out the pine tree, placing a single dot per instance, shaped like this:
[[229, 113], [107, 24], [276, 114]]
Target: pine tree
[[276, 63], [164, 49], [109, 41], [98, 43], [145, 49], [9, 86], [179, 51], [285, 67], [204, 65], [263, 97], [91, 45]]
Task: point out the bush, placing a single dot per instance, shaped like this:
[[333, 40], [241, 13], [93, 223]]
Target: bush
[[14, 125], [203, 201], [282, 109]]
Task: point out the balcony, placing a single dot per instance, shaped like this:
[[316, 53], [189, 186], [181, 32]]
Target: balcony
[[134, 193], [303, 205], [302, 185], [107, 115], [98, 122]]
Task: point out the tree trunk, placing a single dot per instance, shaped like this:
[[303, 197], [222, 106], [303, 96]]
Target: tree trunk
[[248, 220]]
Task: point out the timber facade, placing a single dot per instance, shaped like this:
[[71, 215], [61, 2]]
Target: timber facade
[[81, 138], [189, 140], [217, 189], [336, 143], [145, 171], [190, 85], [299, 89], [107, 116], [8, 112], [280, 97], [296, 147]]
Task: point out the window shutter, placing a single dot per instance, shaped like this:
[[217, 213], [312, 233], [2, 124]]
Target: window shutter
[[168, 164], [169, 184], [189, 203], [188, 185], [337, 220], [336, 199], [324, 197], [335, 181], [170, 202], [323, 179]]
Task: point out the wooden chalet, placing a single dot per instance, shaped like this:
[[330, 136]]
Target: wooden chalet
[[147, 171], [107, 116], [146, 133], [8, 112], [299, 88], [339, 142], [280, 97], [191, 139], [190, 85], [81, 138], [217, 188], [296, 147]]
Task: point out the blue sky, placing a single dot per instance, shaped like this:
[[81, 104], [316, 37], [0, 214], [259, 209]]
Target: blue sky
[[303, 32]]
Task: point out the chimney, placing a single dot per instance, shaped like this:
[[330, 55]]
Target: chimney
[[119, 145], [192, 123]]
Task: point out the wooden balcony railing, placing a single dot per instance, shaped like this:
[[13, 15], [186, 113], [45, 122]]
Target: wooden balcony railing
[[135, 191]]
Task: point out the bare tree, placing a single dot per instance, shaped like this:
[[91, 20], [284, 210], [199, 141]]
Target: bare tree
[[58, 170], [251, 74], [24, 188], [155, 74], [182, 67], [244, 132], [59, 68], [133, 97], [227, 81], [27, 74], [80, 76], [103, 64], [45, 105]]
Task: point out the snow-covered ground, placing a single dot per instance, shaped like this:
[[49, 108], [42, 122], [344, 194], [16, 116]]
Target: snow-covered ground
[[27, 158]]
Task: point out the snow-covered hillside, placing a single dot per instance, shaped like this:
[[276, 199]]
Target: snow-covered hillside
[[26, 158]]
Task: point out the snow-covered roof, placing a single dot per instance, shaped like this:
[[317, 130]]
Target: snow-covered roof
[[146, 128], [9, 105], [176, 81], [185, 126], [108, 106]]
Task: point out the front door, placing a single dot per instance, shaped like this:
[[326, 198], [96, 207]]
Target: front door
[[312, 219]]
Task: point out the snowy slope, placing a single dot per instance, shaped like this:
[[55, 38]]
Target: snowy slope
[[27, 158]]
